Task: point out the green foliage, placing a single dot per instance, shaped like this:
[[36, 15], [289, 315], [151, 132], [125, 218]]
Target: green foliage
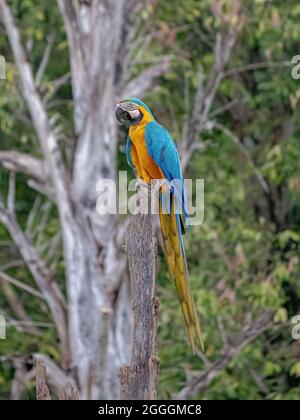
[[244, 259]]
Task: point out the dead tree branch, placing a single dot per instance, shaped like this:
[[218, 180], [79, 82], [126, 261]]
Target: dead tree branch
[[42, 390], [39, 271], [56, 378], [138, 381], [237, 344], [6, 278], [144, 81], [39, 117], [69, 393], [24, 163], [17, 308], [45, 59], [261, 180], [206, 91], [22, 375]]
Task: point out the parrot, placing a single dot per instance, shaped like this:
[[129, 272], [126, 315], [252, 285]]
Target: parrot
[[152, 155]]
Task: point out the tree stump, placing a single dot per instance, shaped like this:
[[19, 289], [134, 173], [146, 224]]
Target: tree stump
[[139, 379]]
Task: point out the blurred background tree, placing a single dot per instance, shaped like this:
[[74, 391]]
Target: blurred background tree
[[218, 75]]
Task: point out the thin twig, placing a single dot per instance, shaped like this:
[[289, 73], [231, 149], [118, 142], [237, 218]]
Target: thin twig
[[5, 277], [238, 343], [44, 62], [236, 140], [257, 66], [11, 193], [55, 85], [222, 332], [32, 215]]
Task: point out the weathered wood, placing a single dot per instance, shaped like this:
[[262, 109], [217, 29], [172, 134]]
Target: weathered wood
[[139, 379], [42, 390], [69, 393]]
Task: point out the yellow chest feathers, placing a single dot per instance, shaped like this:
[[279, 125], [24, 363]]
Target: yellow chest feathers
[[137, 131], [145, 166]]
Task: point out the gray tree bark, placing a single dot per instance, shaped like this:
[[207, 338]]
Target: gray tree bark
[[95, 327], [139, 379]]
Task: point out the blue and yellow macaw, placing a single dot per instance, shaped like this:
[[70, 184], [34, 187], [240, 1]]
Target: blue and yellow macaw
[[152, 155]]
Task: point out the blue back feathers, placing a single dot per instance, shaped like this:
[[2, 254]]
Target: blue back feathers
[[163, 151]]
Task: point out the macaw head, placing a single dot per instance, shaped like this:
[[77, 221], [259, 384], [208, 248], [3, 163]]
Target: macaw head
[[132, 111]]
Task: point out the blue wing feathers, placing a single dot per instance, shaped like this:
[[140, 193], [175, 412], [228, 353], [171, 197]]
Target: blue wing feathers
[[128, 154], [162, 150]]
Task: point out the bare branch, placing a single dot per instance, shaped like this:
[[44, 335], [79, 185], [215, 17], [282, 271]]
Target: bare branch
[[100, 378], [42, 276], [259, 382], [222, 332], [187, 113], [223, 108], [144, 81], [43, 189], [55, 164], [56, 377], [257, 66], [122, 230], [44, 62], [21, 377], [43, 220], [32, 215], [204, 359], [11, 193], [69, 393], [69, 15], [6, 278], [195, 147], [24, 163], [236, 141], [12, 263], [205, 94], [240, 341], [18, 309], [55, 85], [16, 323]]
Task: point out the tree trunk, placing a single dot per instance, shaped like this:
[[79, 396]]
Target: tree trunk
[[95, 326], [99, 317], [139, 380]]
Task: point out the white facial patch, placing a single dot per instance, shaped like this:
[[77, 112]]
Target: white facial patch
[[134, 114]]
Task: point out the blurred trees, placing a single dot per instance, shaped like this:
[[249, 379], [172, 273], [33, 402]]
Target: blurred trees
[[93, 318], [244, 259]]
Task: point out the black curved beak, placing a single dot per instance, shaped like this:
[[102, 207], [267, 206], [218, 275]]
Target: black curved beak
[[122, 116], [119, 112]]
